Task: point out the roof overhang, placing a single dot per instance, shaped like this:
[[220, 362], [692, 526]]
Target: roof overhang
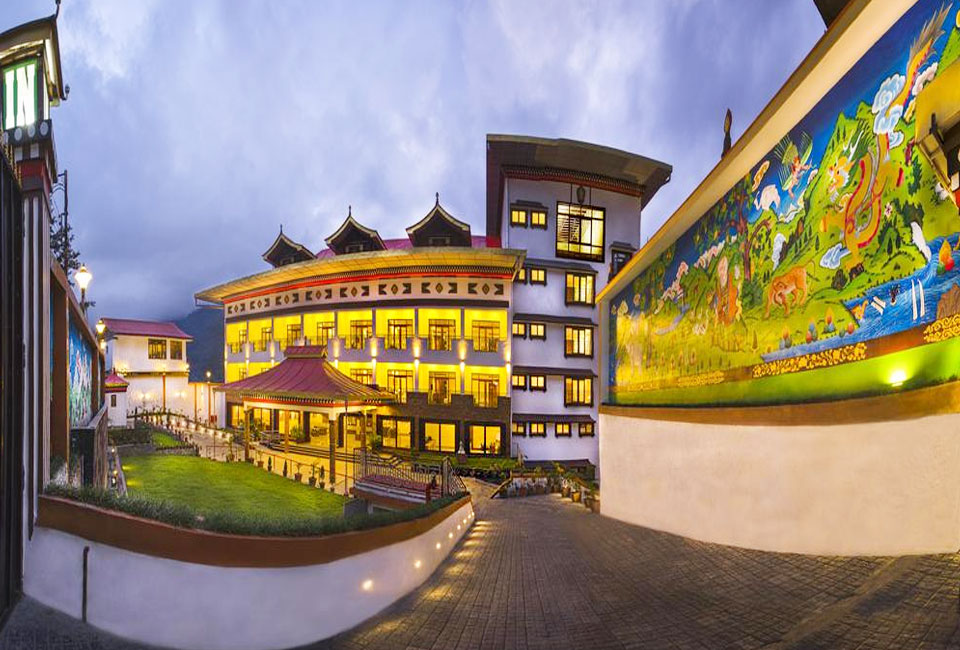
[[437, 260], [562, 160], [860, 24], [349, 226], [33, 38], [282, 244]]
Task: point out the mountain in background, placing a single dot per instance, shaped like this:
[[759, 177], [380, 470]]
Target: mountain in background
[[205, 353]]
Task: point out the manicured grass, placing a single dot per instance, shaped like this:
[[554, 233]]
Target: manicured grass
[[163, 440], [209, 487]]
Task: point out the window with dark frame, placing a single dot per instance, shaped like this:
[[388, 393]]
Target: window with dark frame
[[520, 330], [156, 348], [395, 433], [362, 375], [617, 260], [561, 429], [486, 335], [538, 219], [360, 332], [578, 341], [176, 350], [518, 217], [440, 436], [398, 333], [400, 382], [293, 333], [580, 231], [585, 429], [580, 289], [538, 276], [441, 334], [266, 336], [485, 390], [484, 439], [519, 382], [537, 382], [522, 275], [578, 391], [113, 400], [518, 429], [538, 430], [325, 332], [441, 385], [537, 331]]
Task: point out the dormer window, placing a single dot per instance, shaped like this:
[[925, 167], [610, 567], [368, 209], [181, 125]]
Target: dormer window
[[439, 228], [438, 241], [355, 248]]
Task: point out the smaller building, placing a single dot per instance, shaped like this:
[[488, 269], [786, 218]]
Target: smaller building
[[115, 388], [151, 357]]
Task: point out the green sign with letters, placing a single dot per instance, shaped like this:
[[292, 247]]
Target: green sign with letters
[[19, 106]]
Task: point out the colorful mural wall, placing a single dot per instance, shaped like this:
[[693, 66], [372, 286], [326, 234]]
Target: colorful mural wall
[[81, 359], [838, 246]]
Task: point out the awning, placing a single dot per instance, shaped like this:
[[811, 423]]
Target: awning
[[581, 418], [546, 318], [305, 375], [543, 370]]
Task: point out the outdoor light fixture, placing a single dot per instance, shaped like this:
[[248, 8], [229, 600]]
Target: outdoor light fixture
[[438, 546], [897, 377], [101, 327], [367, 585], [83, 277], [416, 565], [450, 535]]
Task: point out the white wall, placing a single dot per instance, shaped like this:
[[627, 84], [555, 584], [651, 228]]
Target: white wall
[[146, 392], [170, 603], [117, 415], [129, 354], [881, 488]]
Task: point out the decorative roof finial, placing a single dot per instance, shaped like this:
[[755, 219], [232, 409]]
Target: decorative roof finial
[[349, 210], [281, 228], [727, 123], [438, 198]]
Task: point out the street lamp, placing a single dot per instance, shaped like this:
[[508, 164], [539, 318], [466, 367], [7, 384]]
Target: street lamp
[[83, 277], [208, 397], [101, 327]]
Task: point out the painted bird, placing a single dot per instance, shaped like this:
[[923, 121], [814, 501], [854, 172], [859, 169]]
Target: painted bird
[[794, 161]]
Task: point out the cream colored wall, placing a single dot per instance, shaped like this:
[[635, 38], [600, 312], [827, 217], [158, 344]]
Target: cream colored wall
[[866, 489]]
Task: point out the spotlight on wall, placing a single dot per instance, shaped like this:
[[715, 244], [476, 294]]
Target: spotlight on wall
[[367, 585], [897, 377]]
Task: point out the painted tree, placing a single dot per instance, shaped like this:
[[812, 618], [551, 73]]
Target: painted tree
[[735, 210]]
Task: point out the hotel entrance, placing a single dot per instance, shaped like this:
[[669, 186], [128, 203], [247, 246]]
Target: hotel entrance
[[351, 432]]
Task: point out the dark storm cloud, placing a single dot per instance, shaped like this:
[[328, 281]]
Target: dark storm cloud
[[194, 129]]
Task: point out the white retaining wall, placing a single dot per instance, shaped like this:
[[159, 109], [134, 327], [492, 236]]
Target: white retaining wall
[[177, 604]]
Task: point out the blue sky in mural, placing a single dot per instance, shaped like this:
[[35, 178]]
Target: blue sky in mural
[[194, 129]]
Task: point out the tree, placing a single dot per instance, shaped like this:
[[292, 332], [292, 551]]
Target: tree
[[61, 245]]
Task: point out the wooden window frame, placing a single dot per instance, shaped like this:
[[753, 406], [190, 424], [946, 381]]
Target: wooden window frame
[[521, 275], [531, 387], [536, 337], [557, 427], [156, 348], [486, 331], [577, 255], [522, 385], [365, 372], [522, 326], [542, 426], [567, 401], [326, 330], [383, 419], [567, 340], [486, 426], [526, 217], [532, 269], [476, 381], [538, 226], [407, 376], [448, 377], [434, 325], [356, 327], [522, 433], [570, 294], [592, 433], [177, 345], [440, 423], [397, 326]]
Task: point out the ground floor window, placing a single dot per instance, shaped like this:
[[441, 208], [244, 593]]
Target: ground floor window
[[440, 436], [289, 422], [236, 415], [562, 429], [262, 419], [586, 429], [395, 432], [518, 428], [538, 429], [485, 439], [113, 401]]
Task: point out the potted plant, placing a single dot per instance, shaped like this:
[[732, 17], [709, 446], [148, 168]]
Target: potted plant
[[312, 479], [565, 489], [576, 495]]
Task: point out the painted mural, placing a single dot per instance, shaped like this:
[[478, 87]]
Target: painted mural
[[839, 237], [81, 377]]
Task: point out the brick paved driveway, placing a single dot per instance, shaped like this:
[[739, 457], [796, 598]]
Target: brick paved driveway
[[542, 572]]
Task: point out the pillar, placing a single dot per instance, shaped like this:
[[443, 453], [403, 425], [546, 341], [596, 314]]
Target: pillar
[[247, 414], [163, 378], [332, 446]]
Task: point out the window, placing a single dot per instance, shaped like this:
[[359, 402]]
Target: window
[[291, 335], [360, 332], [486, 335], [577, 391], [325, 332], [538, 276], [538, 382], [113, 401], [400, 382], [580, 231], [398, 331], [242, 373], [157, 348], [441, 333], [519, 382], [617, 259], [440, 436], [236, 346], [578, 341], [538, 219], [362, 375], [518, 429], [266, 335], [585, 429], [520, 330], [538, 331], [442, 386], [522, 275], [579, 289], [518, 217], [176, 349], [395, 432], [562, 429], [485, 389], [538, 429], [485, 439], [438, 241]]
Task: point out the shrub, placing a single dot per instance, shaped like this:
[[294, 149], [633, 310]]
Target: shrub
[[137, 436]]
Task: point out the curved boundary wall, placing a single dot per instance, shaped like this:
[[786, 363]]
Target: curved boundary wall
[[881, 480], [205, 603]]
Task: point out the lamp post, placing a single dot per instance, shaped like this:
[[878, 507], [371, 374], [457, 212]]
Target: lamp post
[[101, 328], [83, 278], [208, 397]]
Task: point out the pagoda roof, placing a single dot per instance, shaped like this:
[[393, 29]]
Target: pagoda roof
[[438, 223], [306, 375], [131, 327], [286, 251], [114, 383], [352, 232], [38, 36]]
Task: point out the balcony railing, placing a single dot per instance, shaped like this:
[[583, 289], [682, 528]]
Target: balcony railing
[[235, 347], [261, 345], [437, 397]]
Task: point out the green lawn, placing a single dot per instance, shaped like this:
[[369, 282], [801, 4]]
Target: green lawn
[[163, 440], [475, 462], [209, 487]]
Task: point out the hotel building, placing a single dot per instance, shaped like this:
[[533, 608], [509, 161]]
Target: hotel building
[[487, 342]]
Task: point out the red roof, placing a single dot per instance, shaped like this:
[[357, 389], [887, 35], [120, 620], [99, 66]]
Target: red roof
[[130, 327], [306, 374], [115, 383], [404, 243]]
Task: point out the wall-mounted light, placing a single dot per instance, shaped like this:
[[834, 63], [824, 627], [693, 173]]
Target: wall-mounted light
[[101, 327], [367, 584], [416, 348], [897, 377]]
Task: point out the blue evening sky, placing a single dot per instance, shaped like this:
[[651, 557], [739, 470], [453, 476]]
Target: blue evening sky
[[195, 128]]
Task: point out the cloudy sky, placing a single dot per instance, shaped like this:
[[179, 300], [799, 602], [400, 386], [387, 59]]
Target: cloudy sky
[[195, 128]]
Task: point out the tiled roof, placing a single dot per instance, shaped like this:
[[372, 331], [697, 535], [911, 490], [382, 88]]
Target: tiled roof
[[130, 327], [404, 243], [305, 374], [115, 383]]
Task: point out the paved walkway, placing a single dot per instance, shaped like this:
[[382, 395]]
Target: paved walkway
[[541, 572]]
